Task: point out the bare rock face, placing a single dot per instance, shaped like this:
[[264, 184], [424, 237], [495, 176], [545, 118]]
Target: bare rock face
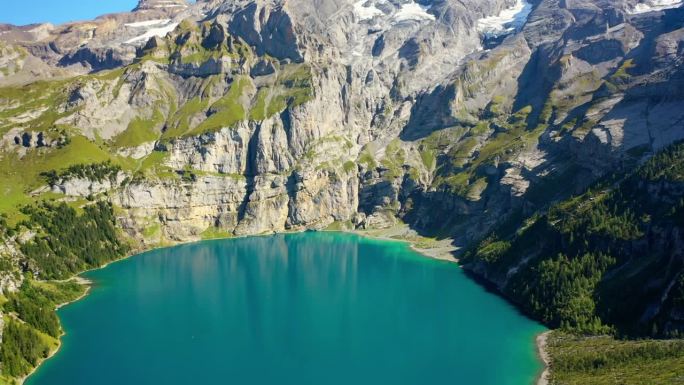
[[82, 187], [267, 27], [223, 152]]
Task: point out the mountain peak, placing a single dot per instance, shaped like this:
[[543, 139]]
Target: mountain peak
[[160, 4]]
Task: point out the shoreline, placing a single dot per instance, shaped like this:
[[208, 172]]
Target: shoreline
[[140, 250], [442, 251], [446, 254], [543, 354], [81, 281]]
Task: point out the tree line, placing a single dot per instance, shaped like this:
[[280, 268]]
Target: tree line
[[595, 263]]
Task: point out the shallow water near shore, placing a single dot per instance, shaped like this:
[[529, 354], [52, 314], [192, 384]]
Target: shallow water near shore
[[309, 308]]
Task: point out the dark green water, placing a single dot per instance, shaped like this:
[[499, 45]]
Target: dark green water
[[312, 308]]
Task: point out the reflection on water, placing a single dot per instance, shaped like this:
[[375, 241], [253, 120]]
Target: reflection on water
[[313, 308]]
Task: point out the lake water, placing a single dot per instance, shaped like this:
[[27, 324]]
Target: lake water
[[310, 308]]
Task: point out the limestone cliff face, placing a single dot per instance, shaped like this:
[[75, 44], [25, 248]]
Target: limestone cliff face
[[240, 206]]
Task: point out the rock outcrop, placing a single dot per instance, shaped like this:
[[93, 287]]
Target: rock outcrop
[[144, 5]]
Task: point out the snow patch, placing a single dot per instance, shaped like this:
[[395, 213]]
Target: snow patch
[[413, 11], [148, 23], [160, 32], [655, 5], [507, 21], [366, 10]]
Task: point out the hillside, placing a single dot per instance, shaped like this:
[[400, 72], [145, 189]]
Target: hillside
[[610, 259]]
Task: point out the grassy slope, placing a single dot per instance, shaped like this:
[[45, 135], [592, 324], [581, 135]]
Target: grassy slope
[[607, 361], [228, 110], [22, 175], [140, 131]]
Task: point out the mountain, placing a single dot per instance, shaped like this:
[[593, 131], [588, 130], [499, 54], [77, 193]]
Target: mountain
[[611, 257], [474, 120]]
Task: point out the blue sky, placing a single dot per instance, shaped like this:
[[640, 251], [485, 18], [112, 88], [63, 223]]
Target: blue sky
[[22, 12]]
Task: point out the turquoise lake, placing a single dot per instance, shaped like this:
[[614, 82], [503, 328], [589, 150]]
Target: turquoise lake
[[312, 308]]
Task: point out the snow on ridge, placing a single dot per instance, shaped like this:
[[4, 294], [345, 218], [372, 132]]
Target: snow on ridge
[[655, 5], [507, 21], [159, 32], [364, 12], [148, 23], [413, 11]]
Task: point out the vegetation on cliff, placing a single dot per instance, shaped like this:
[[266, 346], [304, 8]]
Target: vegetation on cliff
[[93, 172], [32, 328], [598, 262], [607, 361], [65, 241]]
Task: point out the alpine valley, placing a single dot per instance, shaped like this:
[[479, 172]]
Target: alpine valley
[[538, 143]]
